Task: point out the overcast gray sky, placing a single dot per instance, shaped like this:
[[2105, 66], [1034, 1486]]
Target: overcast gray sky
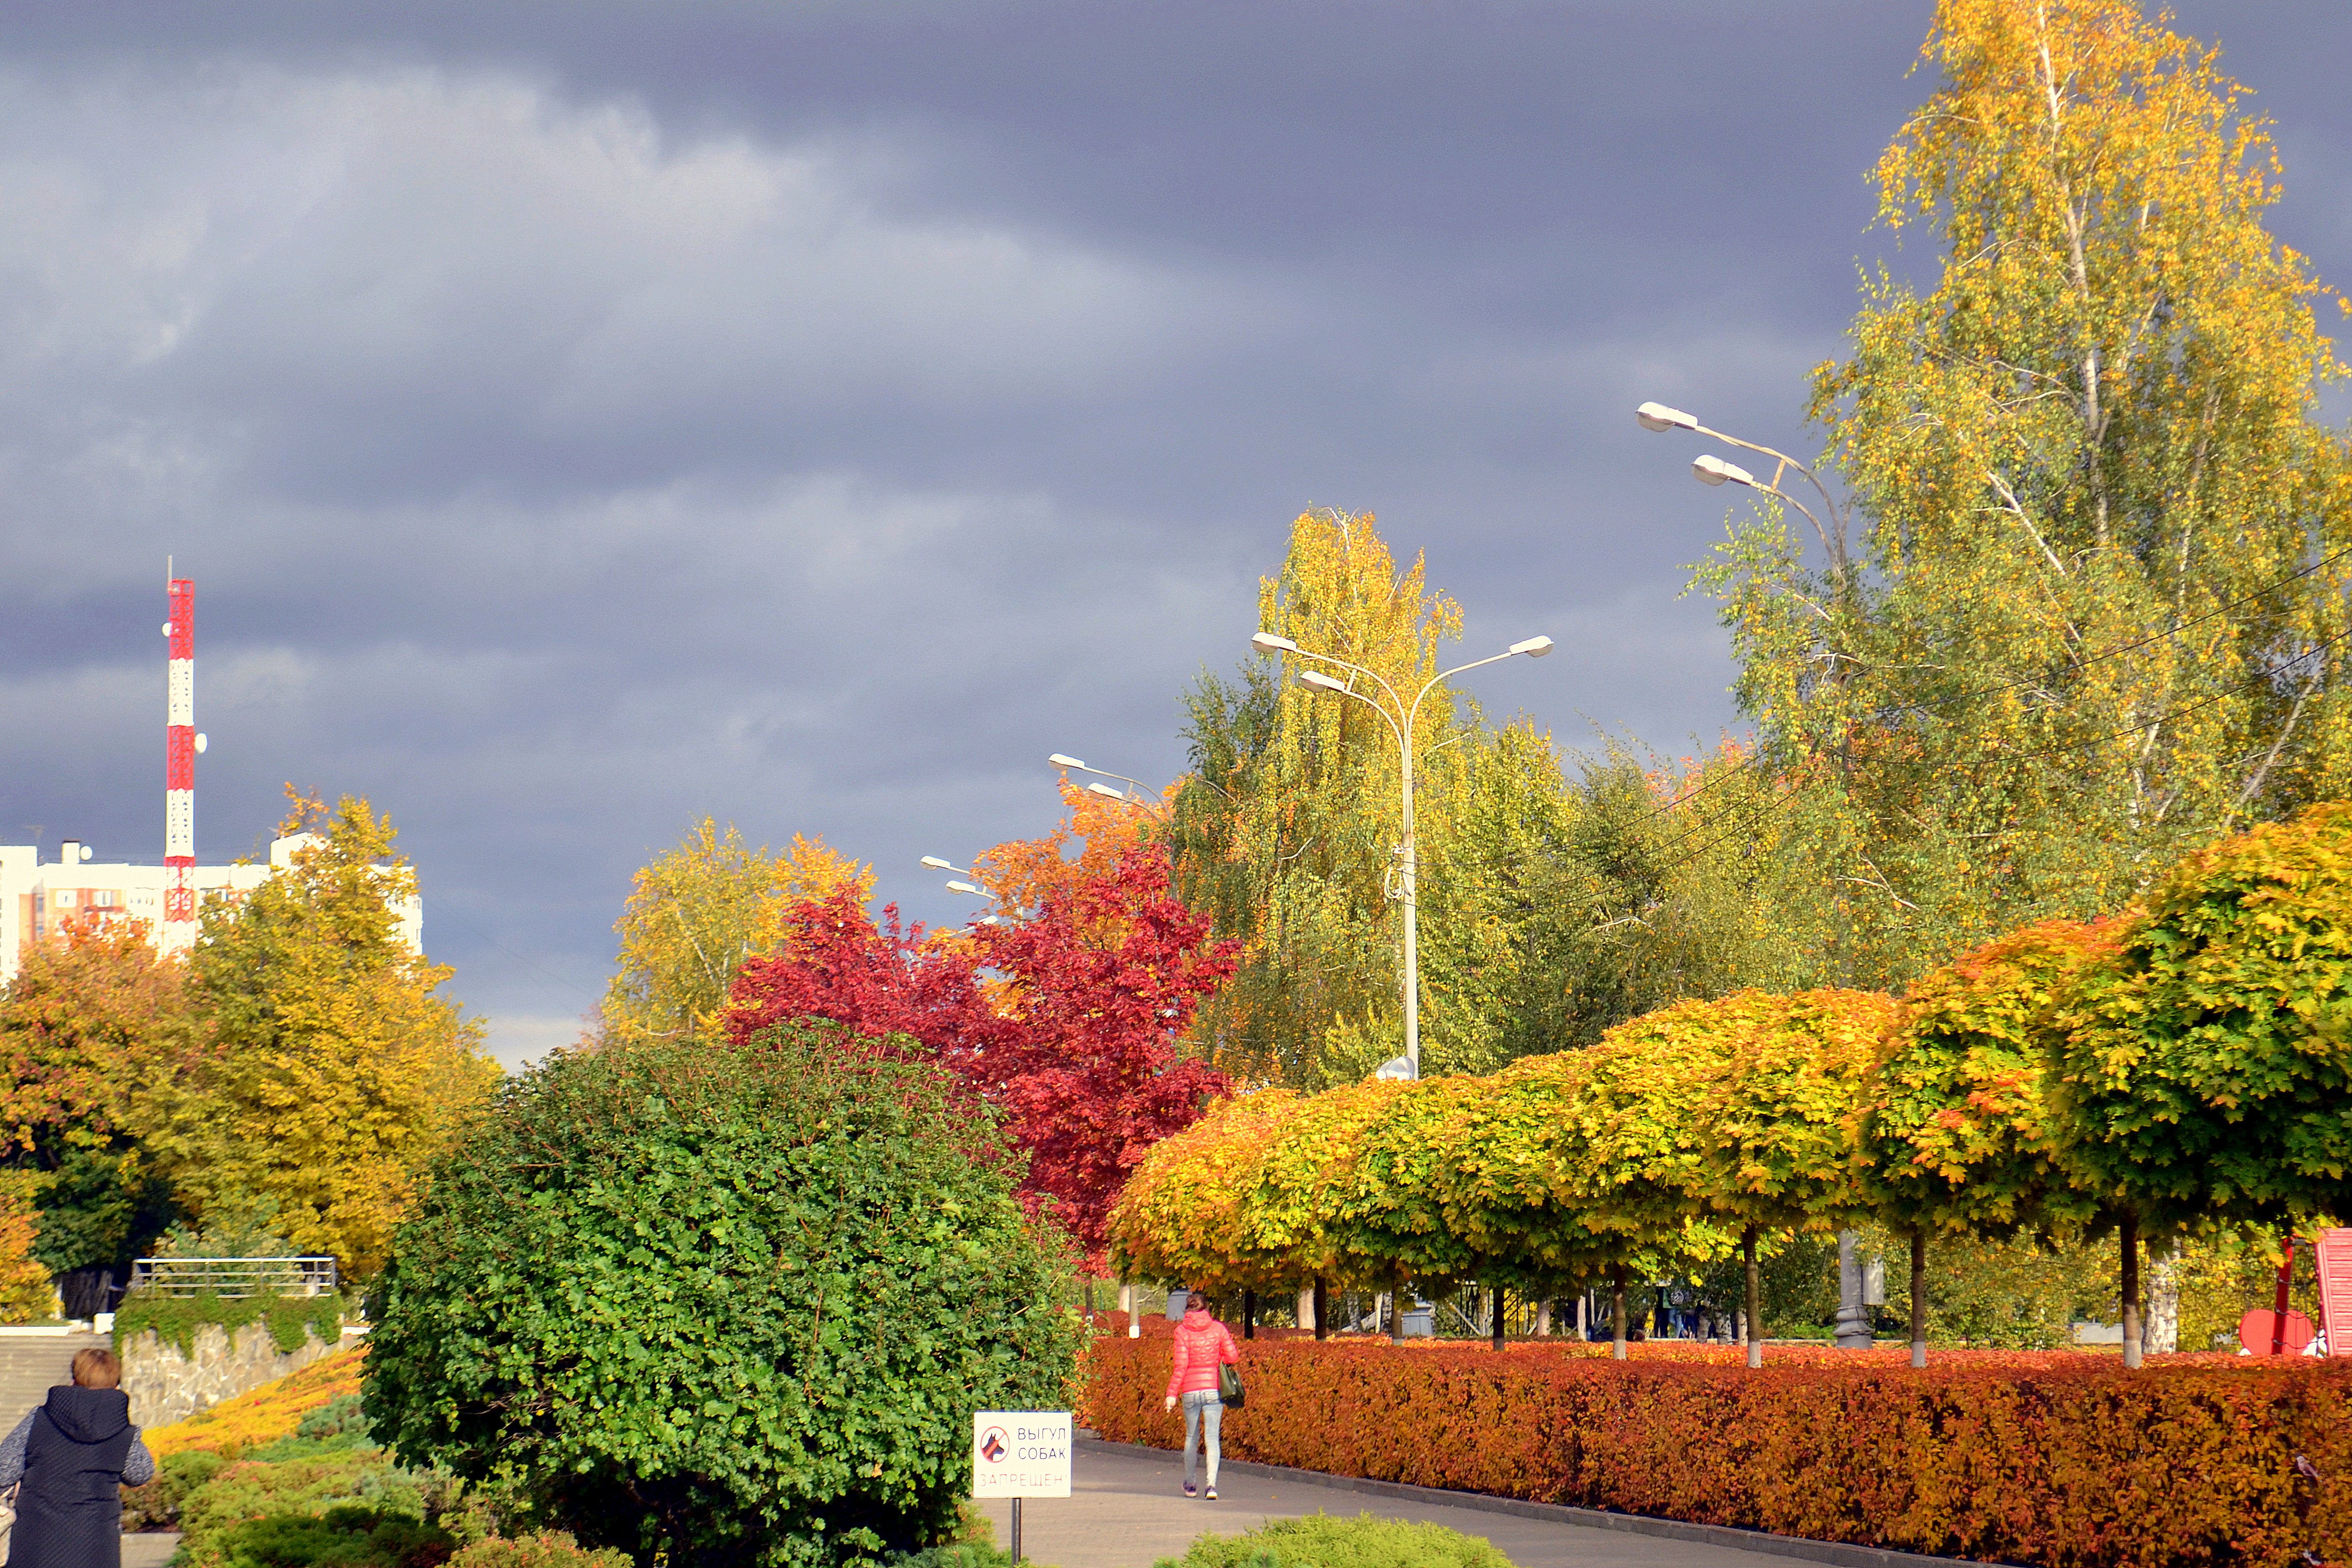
[[581, 416]]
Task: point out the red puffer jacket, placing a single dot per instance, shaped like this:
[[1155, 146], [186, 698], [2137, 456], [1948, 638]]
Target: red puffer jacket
[[1202, 1343]]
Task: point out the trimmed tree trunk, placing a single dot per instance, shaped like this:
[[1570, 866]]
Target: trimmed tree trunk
[[1755, 1298], [2129, 1231], [1498, 1315], [1617, 1312], [1249, 1314], [1322, 1311], [1919, 1296]]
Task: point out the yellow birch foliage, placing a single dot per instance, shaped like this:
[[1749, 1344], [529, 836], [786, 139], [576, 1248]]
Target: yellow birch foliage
[[2097, 615], [1285, 833], [695, 913], [333, 1070]]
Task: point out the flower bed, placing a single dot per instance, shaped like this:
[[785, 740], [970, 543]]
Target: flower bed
[[2056, 1458], [268, 1413]]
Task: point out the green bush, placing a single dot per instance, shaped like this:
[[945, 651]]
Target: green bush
[[346, 1537], [156, 1505], [239, 1494], [177, 1319], [551, 1548], [1319, 1541], [729, 1303]]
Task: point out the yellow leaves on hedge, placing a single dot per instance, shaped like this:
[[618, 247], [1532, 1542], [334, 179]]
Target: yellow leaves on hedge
[[1961, 1131], [1669, 1135], [1739, 1110], [1180, 1215], [266, 1414]]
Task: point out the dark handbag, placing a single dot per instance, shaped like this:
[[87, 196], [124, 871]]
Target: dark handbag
[[1230, 1393]]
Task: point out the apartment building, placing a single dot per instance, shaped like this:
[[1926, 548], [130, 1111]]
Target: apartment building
[[39, 898]]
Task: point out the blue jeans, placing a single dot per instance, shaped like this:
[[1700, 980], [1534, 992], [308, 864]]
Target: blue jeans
[[1204, 1411]]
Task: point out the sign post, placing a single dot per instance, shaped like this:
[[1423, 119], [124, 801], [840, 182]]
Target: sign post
[[1020, 1453], [2335, 1249]]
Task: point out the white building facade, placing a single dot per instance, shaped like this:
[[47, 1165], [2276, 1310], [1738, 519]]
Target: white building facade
[[43, 899]]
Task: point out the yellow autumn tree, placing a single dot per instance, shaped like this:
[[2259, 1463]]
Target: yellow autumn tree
[[695, 912], [2095, 615], [332, 1069], [1285, 832]]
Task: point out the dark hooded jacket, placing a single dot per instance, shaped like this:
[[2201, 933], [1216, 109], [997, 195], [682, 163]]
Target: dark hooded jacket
[[70, 1510]]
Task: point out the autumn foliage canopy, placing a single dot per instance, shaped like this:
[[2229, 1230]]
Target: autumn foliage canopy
[[1074, 1042]]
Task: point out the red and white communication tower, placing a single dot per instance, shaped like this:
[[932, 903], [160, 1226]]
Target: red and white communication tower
[[180, 773]]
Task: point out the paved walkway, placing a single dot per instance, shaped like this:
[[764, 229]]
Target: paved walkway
[[151, 1550], [1128, 1510]]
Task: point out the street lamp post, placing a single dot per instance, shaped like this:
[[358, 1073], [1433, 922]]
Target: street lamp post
[[1853, 1317], [1710, 470], [1402, 718]]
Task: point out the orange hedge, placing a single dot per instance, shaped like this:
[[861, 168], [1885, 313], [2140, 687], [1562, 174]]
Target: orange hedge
[[2061, 1458]]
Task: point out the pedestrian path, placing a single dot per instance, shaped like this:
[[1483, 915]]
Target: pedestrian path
[[1127, 1509]]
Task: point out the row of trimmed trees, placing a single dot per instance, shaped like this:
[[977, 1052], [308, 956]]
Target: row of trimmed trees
[[2182, 1065]]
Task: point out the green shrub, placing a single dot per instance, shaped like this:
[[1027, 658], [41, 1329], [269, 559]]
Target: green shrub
[[346, 1537], [239, 1494], [177, 1319], [156, 1505], [956, 1554], [1319, 1540], [727, 1302], [551, 1548]]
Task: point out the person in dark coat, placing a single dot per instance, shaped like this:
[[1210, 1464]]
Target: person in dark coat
[[74, 1453]]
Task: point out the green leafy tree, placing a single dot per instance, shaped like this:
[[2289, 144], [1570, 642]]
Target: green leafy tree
[[331, 1070], [1957, 1135], [731, 1304], [1735, 1113], [2205, 1076], [2095, 615]]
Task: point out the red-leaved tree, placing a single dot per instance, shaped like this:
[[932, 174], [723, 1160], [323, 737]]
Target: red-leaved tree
[[1077, 1048]]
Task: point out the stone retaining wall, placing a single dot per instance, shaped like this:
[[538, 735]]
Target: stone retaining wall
[[166, 1386]]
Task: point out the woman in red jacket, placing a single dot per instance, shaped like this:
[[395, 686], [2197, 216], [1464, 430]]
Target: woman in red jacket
[[1202, 1344]]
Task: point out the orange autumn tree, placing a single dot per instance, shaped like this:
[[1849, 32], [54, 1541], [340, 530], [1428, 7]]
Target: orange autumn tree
[[92, 1023]]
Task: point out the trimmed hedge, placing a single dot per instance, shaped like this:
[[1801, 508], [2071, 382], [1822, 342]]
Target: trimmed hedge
[[2059, 1460]]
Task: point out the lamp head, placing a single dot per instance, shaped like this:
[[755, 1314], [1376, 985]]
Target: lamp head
[[1060, 760], [936, 863], [1534, 648], [1266, 642], [1106, 791], [1658, 417], [1711, 469], [1321, 681], [966, 887]]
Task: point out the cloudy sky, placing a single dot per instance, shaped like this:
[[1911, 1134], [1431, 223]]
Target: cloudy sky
[[581, 416]]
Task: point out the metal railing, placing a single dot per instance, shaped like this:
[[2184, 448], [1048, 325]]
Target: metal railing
[[234, 1277]]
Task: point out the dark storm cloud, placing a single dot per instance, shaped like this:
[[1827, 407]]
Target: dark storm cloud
[[579, 418]]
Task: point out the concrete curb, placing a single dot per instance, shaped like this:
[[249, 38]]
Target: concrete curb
[[1839, 1554]]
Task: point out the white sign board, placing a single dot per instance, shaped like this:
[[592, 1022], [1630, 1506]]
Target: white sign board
[[1021, 1453]]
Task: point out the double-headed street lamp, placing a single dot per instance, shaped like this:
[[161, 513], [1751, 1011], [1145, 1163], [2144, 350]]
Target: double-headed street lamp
[[1401, 717], [972, 889], [1853, 1330], [1142, 790], [1710, 470]]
